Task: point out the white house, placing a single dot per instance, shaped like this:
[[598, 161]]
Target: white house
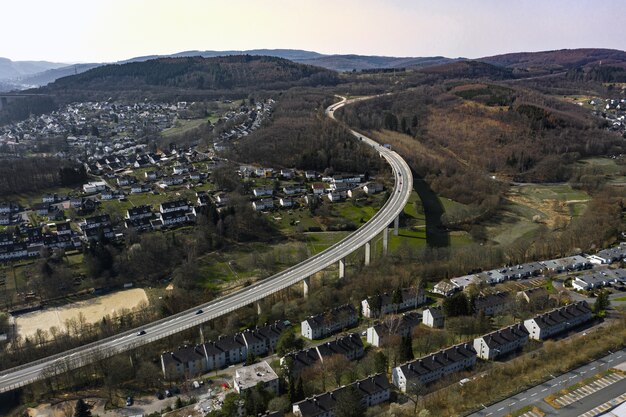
[[263, 204], [263, 191], [558, 320], [501, 342], [435, 366], [94, 187], [325, 324], [433, 317], [373, 188]]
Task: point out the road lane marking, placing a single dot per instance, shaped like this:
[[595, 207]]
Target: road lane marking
[[532, 395], [592, 368], [501, 408], [544, 390]]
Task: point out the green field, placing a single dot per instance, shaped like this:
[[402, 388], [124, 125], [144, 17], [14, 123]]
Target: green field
[[182, 126]]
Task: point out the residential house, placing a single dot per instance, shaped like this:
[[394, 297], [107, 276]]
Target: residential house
[[610, 255], [248, 377], [172, 206], [171, 218], [558, 320], [337, 196], [493, 304], [94, 187], [325, 324], [286, 202], [234, 348], [373, 188], [310, 175], [263, 204], [13, 252], [287, 173], [263, 191], [292, 190], [501, 342], [126, 180], [400, 326], [435, 366], [445, 287], [188, 361], [433, 317], [95, 222], [373, 390], [350, 346], [64, 229], [139, 188], [401, 300], [139, 212], [318, 188], [42, 209]]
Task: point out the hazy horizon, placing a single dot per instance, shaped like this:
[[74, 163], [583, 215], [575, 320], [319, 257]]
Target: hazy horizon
[[69, 31]]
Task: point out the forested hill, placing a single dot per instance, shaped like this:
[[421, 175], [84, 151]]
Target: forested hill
[[220, 73]]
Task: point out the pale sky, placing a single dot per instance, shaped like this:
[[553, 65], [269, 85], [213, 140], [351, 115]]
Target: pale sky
[[111, 30]]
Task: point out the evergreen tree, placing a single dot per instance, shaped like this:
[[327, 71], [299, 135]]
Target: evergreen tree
[[300, 390], [81, 409]]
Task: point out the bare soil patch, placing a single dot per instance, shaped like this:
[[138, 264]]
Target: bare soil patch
[[93, 310]]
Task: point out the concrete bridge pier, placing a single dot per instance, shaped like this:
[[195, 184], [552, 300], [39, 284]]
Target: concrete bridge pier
[[342, 268], [396, 225], [368, 253], [385, 240], [306, 283], [258, 308]]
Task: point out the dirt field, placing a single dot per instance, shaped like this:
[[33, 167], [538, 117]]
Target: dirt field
[[93, 310]]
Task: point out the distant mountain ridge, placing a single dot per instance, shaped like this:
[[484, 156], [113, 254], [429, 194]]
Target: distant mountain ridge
[[14, 69], [519, 64]]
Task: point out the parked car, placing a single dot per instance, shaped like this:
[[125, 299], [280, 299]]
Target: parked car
[[129, 401]]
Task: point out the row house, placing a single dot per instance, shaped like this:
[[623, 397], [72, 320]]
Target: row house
[[610, 255], [373, 390], [501, 342], [401, 326], [318, 188], [435, 366], [141, 225], [286, 202], [226, 351], [558, 320], [599, 279], [325, 324], [379, 305]]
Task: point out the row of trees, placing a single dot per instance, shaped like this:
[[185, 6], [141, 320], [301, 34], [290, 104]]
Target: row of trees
[[34, 174]]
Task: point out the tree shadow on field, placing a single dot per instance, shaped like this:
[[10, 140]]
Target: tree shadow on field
[[436, 233]]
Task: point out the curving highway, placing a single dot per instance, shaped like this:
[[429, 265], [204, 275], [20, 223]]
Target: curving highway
[[23, 375]]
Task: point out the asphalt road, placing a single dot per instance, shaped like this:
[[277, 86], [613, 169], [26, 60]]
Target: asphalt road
[[535, 395], [23, 375]]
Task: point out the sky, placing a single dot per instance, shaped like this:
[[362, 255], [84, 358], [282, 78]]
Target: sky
[[109, 30]]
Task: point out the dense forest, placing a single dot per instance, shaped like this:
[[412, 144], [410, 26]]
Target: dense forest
[[299, 135], [34, 174], [503, 130], [199, 73]]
